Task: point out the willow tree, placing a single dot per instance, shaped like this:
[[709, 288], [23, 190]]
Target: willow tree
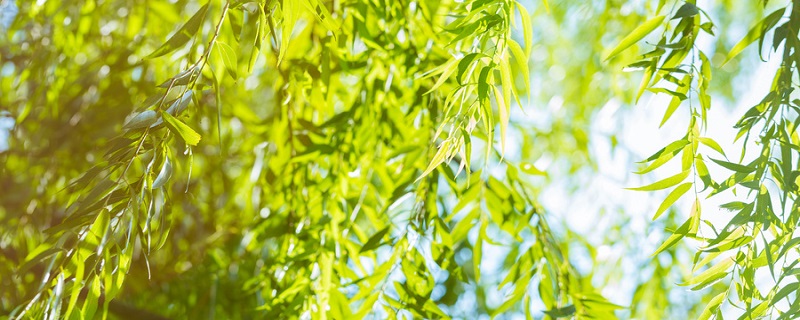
[[352, 159]]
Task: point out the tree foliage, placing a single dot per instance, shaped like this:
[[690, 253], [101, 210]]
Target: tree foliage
[[369, 159]]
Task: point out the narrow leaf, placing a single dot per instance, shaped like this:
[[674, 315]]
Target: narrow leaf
[[672, 197], [374, 241], [164, 175], [674, 238], [712, 306], [181, 129], [464, 64], [663, 184], [686, 10], [527, 30], [711, 275], [637, 34], [141, 120], [756, 32], [734, 166], [183, 35], [449, 68], [503, 108], [438, 158]]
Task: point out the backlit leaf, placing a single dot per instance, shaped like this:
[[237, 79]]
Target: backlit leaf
[[672, 197], [712, 306], [375, 240], [686, 10], [186, 133], [663, 184], [755, 33], [733, 166], [711, 275], [180, 38], [637, 34]]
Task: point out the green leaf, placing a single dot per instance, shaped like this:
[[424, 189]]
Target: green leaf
[[673, 147], [755, 33], [163, 175], [637, 34], [648, 76], [375, 240], [674, 103], [80, 268], [712, 306], [711, 275], [567, 311], [675, 237], [320, 11], [229, 59], [447, 70], [179, 105], [477, 251], [711, 144], [734, 166], [181, 129], [483, 86], [38, 256], [464, 64], [785, 291], [503, 108], [679, 95], [702, 172], [142, 120], [663, 184], [506, 80], [438, 158], [686, 10], [522, 62], [672, 197], [527, 30], [756, 312], [181, 79], [289, 13], [183, 35]]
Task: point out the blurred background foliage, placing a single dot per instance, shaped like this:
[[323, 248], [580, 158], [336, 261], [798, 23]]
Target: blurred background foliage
[[352, 159]]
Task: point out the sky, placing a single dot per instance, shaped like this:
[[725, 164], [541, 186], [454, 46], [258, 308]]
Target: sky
[[637, 128]]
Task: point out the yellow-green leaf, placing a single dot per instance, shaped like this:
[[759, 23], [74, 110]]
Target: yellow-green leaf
[[375, 240], [637, 34], [671, 241], [711, 275], [163, 175], [181, 129], [712, 306], [183, 35], [438, 158], [756, 32], [672, 197], [477, 251], [289, 13], [142, 120], [522, 62], [322, 14], [448, 69], [503, 107], [663, 184], [734, 166], [711, 144], [527, 31]]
